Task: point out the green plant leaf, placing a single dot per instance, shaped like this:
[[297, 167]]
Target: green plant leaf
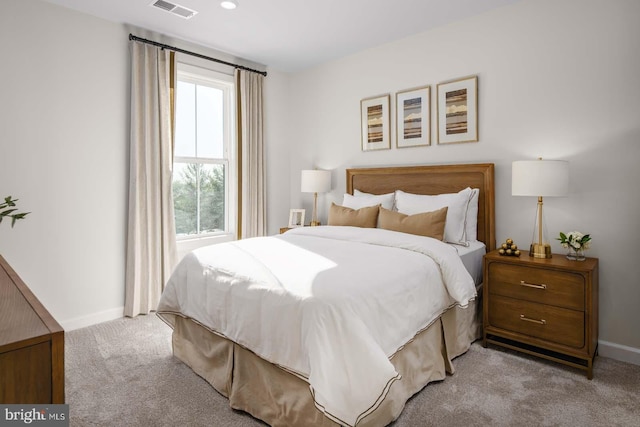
[[7, 209]]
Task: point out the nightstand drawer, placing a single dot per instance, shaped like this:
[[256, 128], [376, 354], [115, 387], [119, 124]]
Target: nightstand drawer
[[553, 324], [557, 288]]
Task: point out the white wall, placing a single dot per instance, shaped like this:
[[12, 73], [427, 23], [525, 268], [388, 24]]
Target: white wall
[[64, 154], [557, 79], [277, 140]]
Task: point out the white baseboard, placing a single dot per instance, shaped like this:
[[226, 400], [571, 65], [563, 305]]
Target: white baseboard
[[92, 319], [619, 352]]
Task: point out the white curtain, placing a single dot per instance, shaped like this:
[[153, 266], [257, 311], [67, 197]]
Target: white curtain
[[151, 245], [251, 173]]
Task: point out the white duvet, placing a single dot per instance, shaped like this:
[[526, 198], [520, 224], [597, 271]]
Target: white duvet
[[329, 304]]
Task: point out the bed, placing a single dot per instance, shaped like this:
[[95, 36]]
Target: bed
[[271, 324]]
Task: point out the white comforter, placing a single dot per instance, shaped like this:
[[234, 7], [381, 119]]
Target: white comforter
[[329, 304]]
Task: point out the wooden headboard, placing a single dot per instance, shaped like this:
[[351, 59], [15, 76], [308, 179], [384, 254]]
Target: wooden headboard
[[433, 180]]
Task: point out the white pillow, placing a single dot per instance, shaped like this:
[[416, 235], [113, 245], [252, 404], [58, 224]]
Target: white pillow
[[363, 200], [385, 199], [454, 229], [471, 226]]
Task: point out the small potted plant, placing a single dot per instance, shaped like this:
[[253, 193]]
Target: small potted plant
[[8, 209], [576, 243]]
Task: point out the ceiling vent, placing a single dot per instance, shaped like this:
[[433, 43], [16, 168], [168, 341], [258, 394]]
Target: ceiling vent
[[176, 9]]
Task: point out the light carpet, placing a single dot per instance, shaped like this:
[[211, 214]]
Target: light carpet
[[122, 373]]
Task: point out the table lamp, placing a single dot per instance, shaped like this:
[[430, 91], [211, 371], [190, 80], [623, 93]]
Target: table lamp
[[315, 181], [541, 178]]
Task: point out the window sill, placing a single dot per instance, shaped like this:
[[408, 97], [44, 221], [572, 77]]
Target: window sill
[[187, 245]]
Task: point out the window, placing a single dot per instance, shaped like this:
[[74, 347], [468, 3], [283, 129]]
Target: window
[[204, 170]]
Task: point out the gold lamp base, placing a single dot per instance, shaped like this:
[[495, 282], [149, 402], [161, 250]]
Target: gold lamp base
[[540, 251], [314, 223]]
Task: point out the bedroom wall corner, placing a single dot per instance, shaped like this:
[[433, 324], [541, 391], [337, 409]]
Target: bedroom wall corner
[[278, 140]]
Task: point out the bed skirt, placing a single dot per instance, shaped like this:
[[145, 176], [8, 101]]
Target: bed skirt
[[281, 398]]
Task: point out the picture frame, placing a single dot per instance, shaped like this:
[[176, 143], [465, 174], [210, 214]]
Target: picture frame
[[374, 118], [296, 218], [413, 117], [458, 111]]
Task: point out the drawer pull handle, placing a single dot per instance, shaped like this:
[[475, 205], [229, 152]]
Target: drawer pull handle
[[531, 285], [539, 322]]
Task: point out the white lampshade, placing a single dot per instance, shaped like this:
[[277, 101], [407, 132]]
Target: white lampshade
[[540, 178], [315, 181], [547, 178]]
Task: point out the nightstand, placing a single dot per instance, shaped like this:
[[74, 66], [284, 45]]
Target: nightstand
[[544, 307]]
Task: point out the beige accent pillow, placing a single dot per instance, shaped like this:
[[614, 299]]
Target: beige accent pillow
[[366, 217], [429, 224]]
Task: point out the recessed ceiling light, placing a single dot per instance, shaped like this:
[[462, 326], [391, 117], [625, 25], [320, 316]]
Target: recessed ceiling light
[[229, 4]]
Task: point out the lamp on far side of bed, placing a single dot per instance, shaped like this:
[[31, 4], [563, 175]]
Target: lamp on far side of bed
[[315, 181], [541, 178]]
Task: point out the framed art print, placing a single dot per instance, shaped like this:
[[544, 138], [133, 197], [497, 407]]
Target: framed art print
[[458, 111], [374, 118], [413, 117]]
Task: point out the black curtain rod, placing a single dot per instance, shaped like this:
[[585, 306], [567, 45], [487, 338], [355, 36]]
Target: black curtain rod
[[177, 49]]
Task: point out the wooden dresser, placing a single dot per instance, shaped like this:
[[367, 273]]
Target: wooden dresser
[[31, 345], [544, 307]]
